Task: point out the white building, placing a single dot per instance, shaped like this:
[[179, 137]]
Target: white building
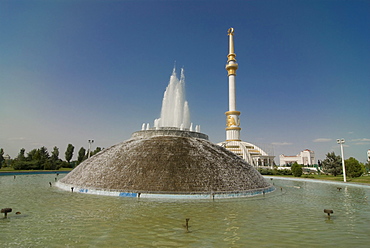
[[253, 154], [368, 155], [306, 157]]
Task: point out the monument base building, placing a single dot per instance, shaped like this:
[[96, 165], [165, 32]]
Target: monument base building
[[251, 153]]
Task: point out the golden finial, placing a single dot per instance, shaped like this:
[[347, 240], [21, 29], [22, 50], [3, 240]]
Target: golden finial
[[231, 66], [230, 31]]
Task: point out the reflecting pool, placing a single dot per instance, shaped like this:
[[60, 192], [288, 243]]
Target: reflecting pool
[[289, 217]]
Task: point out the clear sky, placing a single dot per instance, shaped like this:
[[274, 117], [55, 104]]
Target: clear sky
[[73, 70]]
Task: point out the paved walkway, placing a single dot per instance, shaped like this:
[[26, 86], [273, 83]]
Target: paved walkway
[[319, 181]]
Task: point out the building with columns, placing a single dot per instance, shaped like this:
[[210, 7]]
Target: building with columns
[[253, 154], [306, 157]]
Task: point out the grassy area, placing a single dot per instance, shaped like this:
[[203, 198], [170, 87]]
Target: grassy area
[[362, 179], [65, 169]]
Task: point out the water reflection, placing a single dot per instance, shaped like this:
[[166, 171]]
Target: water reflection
[[285, 218], [231, 232]]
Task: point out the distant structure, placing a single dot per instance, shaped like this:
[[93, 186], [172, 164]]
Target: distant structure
[[253, 154], [368, 155], [306, 157]]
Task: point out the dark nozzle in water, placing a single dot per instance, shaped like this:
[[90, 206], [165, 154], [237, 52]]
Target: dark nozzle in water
[[5, 211], [187, 224], [328, 211]]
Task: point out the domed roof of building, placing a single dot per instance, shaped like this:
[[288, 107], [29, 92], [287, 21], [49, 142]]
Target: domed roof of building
[[166, 164]]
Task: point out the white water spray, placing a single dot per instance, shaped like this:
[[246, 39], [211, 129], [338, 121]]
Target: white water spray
[[175, 109]]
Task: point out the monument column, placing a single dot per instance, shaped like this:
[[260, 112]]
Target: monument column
[[232, 116]]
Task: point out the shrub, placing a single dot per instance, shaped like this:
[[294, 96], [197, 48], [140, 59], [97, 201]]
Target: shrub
[[275, 171], [353, 167], [297, 170]]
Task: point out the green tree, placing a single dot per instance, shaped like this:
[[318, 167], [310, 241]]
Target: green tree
[[55, 154], [20, 162], [47, 165], [21, 156], [55, 162], [353, 167], [297, 170], [2, 159], [25, 163], [81, 155], [34, 154], [44, 155], [36, 159], [69, 152], [98, 149], [332, 164]]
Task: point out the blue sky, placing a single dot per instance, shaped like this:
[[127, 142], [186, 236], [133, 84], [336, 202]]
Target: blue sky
[[86, 69]]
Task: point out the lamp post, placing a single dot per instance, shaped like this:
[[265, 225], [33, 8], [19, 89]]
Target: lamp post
[[89, 152], [341, 142]]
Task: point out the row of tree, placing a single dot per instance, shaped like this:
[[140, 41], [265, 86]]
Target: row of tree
[[332, 165], [40, 159]]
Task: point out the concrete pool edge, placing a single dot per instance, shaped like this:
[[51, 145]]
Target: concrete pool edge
[[12, 173]]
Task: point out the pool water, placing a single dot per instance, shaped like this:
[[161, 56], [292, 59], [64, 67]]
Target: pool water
[[292, 216]]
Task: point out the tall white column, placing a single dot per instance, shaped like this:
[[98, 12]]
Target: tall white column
[[232, 95], [232, 116]]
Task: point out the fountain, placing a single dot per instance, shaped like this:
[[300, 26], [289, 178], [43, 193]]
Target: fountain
[[175, 108], [167, 161]]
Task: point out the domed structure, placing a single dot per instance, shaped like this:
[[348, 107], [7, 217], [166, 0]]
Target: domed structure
[[166, 163]]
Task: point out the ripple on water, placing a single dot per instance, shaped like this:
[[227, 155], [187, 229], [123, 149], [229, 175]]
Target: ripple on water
[[55, 218]]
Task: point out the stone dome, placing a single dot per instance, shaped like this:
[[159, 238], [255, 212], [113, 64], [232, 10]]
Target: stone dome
[[164, 163]]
